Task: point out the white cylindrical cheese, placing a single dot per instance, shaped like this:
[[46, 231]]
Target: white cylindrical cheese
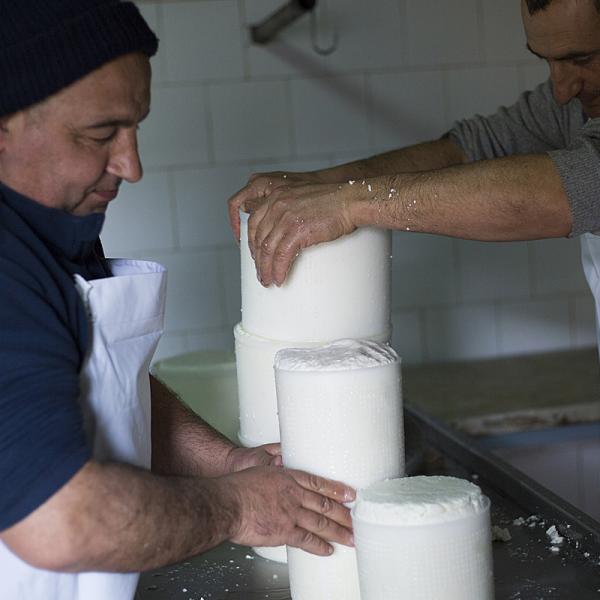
[[340, 416], [257, 395], [274, 553], [339, 289], [256, 387], [423, 538]]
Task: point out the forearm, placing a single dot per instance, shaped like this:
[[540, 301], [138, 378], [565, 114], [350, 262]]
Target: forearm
[[118, 518], [514, 198], [426, 156], [182, 443], [113, 517]]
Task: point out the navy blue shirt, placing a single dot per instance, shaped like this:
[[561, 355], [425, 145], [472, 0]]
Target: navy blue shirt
[[43, 342]]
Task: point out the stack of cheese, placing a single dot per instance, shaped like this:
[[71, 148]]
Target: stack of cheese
[[340, 412], [336, 290]]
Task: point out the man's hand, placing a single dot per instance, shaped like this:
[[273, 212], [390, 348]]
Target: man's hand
[[268, 455], [280, 506], [294, 216], [260, 185]]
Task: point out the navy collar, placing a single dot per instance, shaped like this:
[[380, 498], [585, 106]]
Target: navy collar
[[73, 236]]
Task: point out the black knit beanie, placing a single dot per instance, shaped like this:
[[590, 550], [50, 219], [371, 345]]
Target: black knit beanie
[[45, 45]]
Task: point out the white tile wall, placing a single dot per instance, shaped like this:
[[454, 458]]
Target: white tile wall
[[502, 31], [216, 340], [493, 271], [552, 267], [480, 90], [251, 120], [329, 114], [151, 12], [406, 108], [541, 325], [200, 196], [423, 270], [141, 217], [195, 296], [366, 38], [203, 40], [175, 133], [407, 335], [403, 71], [443, 32], [461, 333]]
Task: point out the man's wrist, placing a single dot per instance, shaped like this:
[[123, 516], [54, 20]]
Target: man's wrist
[[226, 495]]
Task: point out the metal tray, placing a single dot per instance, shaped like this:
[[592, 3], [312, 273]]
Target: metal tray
[[527, 567]]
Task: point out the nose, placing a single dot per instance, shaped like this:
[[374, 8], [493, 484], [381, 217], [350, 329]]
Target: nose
[[566, 83], [124, 161]]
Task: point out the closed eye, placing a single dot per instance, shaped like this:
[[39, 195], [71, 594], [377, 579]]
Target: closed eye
[[106, 138]]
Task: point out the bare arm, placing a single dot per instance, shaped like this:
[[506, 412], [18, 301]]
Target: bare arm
[[203, 490], [426, 156], [113, 517], [184, 444], [513, 198], [420, 157], [505, 199]]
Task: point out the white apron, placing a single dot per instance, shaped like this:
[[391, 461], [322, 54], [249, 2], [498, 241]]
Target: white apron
[[126, 313], [590, 257]]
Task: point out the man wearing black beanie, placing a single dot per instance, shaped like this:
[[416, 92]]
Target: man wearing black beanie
[[103, 472]]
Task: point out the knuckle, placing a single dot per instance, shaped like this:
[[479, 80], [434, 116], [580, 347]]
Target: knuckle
[[314, 482], [321, 523], [326, 505], [281, 254], [307, 538], [289, 246], [266, 248]]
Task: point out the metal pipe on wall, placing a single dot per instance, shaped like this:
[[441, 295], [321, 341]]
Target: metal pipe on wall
[[264, 32]]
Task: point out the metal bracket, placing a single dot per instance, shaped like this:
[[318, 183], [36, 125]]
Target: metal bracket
[[264, 32], [314, 38]]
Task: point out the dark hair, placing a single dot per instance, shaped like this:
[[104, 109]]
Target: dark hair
[[535, 5]]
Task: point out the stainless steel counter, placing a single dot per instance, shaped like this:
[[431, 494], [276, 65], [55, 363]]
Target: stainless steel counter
[[526, 567]]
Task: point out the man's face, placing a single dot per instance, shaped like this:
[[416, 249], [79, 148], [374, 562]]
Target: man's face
[[73, 150], [567, 35]]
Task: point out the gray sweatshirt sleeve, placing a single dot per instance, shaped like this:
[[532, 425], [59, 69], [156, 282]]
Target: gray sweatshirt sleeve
[[536, 124], [579, 169]]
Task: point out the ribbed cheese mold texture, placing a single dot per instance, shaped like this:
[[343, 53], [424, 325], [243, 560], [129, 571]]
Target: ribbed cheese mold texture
[[259, 422], [340, 355], [419, 500], [423, 538], [340, 415]]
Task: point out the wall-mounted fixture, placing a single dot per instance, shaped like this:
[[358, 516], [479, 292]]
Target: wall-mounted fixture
[[264, 32]]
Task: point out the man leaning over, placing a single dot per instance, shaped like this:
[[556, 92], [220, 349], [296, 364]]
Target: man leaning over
[[81, 421], [530, 171]]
